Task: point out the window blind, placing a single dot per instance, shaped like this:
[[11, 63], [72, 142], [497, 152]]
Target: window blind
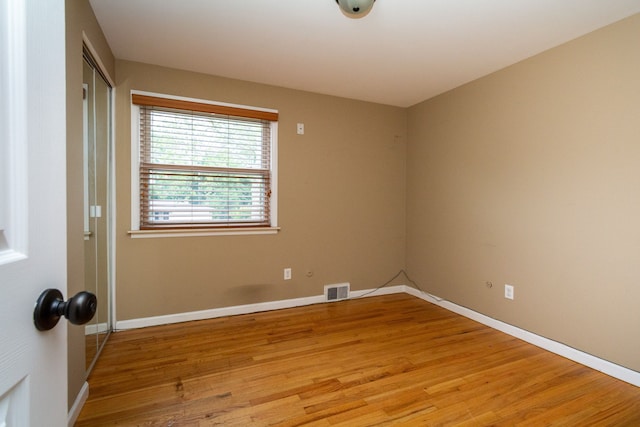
[[203, 168]]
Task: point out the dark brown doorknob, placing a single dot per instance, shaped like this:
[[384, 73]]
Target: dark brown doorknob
[[50, 306]]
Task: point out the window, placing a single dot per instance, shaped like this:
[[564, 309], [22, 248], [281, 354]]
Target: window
[[203, 165]]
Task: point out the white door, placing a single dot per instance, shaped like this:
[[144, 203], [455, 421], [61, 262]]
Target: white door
[[33, 364]]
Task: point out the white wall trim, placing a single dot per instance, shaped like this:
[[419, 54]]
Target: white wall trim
[[216, 312], [377, 292], [96, 328], [81, 398], [96, 57], [136, 233], [604, 366]]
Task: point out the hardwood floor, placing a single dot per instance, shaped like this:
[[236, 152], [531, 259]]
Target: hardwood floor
[[388, 360]]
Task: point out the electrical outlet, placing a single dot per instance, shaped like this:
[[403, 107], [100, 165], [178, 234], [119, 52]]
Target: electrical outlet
[[287, 274], [508, 291]]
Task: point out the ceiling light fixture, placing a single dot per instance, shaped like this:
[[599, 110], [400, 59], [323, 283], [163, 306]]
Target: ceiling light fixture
[[355, 8]]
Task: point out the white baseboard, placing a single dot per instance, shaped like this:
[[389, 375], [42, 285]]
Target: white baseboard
[[604, 366], [94, 328], [399, 289], [242, 309], [74, 412], [216, 312]]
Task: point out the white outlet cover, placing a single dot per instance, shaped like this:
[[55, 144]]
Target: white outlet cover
[[508, 291]]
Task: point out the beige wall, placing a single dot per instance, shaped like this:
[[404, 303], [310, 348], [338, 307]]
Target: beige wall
[[341, 204], [531, 176], [79, 18]]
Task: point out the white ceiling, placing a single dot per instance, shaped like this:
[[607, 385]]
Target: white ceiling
[[401, 53]]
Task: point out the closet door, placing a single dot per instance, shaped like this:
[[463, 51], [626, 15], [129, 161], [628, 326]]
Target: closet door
[[96, 140]]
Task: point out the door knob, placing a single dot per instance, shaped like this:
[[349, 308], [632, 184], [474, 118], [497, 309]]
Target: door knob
[[50, 306]]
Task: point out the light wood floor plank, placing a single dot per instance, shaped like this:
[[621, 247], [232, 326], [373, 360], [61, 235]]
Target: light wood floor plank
[[389, 360]]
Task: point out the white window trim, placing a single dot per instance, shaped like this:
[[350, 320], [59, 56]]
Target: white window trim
[[135, 231]]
